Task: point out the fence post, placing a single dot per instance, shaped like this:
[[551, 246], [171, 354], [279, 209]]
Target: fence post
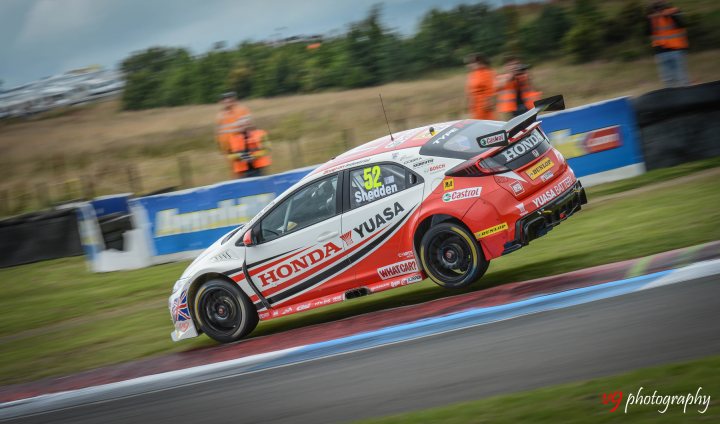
[[88, 188], [5, 202], [43, 197], [296, 153], [134, 180], [348, 136], [185, 171]]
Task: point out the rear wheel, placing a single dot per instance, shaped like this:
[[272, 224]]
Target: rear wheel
[[223, 311], [451, 257]]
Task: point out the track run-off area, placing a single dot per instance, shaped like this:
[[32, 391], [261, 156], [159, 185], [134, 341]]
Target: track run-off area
[[582, 328]]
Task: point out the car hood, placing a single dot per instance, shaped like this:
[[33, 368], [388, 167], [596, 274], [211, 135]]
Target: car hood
[[214, 258]]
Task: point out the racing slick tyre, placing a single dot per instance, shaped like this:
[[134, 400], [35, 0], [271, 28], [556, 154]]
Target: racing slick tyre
[[451, 257], [223, 311]]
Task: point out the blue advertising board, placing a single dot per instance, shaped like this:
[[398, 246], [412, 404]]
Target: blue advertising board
[[596, 138], [193, 219]]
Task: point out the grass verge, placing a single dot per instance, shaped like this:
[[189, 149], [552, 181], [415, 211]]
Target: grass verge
[[56, 310], [582, 402]]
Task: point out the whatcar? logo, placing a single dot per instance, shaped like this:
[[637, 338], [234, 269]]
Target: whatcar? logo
[[399, 268], [518, 149], [301, 263], [463, 194], [375, 222]]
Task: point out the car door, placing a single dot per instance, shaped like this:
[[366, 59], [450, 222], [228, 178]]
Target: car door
[[298, 243], [380, 197]]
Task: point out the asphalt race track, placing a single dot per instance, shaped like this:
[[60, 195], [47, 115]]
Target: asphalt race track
[[671, 323]]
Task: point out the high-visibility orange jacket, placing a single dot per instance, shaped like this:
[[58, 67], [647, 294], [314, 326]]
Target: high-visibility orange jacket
[[237, 153], [258, 149], [507, 96], [666, 33], [231, 121], [481, 92]]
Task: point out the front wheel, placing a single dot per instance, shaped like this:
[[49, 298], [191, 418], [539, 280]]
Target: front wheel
[[223, 311], [451, 257]]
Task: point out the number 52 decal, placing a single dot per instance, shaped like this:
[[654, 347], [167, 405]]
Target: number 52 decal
[[372, 177]]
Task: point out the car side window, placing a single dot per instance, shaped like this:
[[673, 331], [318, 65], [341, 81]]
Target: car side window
[[310, 205], [374, 182]]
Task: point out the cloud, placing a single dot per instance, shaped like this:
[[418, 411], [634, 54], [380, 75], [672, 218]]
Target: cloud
[[49, 21]]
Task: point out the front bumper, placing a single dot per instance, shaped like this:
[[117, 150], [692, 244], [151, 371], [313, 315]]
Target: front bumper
[[539, 222], [181, 318]]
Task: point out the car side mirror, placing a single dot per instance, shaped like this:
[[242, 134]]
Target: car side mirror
[[248, 239]]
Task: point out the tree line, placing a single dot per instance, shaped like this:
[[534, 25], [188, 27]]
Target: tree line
[[370, 53]]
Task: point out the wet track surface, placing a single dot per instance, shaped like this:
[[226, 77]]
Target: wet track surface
[[666, 324]]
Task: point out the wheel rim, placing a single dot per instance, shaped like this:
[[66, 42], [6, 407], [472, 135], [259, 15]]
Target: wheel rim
[[450, 257], [221, 310]]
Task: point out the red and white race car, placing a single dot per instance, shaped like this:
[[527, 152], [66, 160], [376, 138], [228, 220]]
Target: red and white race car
[[439, 201]]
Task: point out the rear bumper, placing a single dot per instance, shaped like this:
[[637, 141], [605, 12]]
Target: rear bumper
[[539, 222]]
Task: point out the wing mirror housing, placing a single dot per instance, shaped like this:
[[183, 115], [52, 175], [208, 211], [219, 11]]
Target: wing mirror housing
[[248, 239]]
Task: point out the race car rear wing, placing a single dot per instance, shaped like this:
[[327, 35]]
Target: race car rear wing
[[514, 130], [522, 122]]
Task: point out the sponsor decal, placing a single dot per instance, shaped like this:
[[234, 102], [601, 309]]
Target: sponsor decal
[[346, 165], [495, 139], [302, 307], [521, 208], [182, 326], [465, 193], [406, 255], [553, 192], [540, 169], [298, 264], [546, 176], [449, 184], [517, 187], [229, 212], [399, 268], [414, 278], [585, 143], [436, 168], [492, 230], [372, 224], [521, 147], [449, 133], [409, 161], [347, 238], [423, 162]]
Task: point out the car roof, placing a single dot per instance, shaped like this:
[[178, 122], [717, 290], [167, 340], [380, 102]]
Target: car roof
[[415, 137]]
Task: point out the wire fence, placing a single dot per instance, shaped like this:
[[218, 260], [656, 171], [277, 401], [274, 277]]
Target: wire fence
[[71, 182]]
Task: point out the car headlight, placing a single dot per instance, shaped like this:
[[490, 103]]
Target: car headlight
[[178, 284]]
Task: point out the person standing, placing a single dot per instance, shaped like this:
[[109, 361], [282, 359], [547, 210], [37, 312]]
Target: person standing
[[232, 122], [257, 150], [669, 40], [515, 94], [480, 87]]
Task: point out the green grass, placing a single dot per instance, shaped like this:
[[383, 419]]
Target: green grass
[[582, 402], [657, 175], [55, 310]]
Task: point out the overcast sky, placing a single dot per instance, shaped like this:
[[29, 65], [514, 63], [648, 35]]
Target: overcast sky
[[45, 37]]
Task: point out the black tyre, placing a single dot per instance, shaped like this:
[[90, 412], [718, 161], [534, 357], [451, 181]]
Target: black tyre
[[451, 257], [223, 311]]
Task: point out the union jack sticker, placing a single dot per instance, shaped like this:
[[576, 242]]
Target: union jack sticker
[[180, 310]]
